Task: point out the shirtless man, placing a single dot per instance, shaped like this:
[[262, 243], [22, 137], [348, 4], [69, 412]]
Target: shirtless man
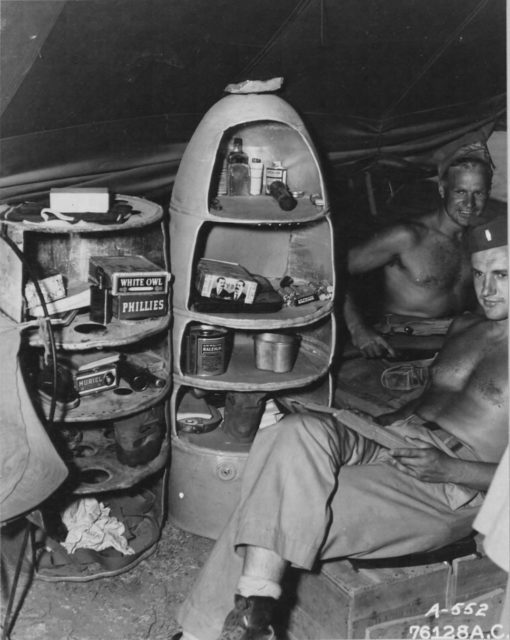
[[426, 266], [296, 505]]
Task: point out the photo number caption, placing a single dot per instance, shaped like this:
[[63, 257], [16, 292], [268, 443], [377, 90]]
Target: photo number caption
[[461, 631]]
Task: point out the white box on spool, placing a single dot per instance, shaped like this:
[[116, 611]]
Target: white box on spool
[[80, 200]]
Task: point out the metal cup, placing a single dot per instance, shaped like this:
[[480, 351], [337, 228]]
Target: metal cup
[[276, 351]]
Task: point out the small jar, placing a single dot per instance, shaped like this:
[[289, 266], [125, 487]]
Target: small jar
[[256, 171]]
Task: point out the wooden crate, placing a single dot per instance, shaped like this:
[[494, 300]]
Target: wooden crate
[[341, 602], [474, 576]]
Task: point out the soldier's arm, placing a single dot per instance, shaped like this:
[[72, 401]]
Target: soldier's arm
[[384, 247], [367, 340]]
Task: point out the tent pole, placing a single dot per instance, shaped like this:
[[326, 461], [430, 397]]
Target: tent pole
[[370, 193]]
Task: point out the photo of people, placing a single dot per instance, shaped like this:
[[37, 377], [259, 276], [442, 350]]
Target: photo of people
[[239, 295], [220, 290]]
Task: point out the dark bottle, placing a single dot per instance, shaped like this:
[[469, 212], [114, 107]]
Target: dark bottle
[[138, 378], [282, 195], [238, 170]]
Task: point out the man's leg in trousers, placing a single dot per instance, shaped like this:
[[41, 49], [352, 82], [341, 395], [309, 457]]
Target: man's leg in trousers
[[204, 610], [288, 481]]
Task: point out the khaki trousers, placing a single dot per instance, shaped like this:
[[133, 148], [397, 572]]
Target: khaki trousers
[[313, 488]]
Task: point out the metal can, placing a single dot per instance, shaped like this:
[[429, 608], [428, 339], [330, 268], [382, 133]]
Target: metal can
[[206, 350]]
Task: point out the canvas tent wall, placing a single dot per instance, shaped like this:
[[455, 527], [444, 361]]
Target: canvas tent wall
[[108, 92]]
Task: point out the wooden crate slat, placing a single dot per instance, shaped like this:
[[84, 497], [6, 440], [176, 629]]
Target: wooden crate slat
[[11, 268]]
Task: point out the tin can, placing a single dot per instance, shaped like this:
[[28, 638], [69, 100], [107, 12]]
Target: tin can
[[276, 172], [206, 350], [276, 351]]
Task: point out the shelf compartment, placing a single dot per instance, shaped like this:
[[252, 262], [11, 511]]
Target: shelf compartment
[[286, 318], [304, 252], [209, 406], [205, 476], [270, 129], [100, 470], [111, 404], [69, 253], [60, 247], [313, 361], [152, 353], [82, 334], [264, 209]]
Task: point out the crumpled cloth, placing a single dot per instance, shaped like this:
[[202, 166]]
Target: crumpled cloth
[[255, 86], [271, 415], [90, 526]]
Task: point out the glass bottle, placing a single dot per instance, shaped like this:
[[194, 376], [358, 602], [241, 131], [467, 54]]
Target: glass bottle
[[238, 170]]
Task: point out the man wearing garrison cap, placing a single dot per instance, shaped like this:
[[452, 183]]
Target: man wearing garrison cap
[[424, 260], [317, 488]]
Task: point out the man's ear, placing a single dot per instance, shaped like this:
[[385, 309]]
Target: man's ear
[[441, 188]]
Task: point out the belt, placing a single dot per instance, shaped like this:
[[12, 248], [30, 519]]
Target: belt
[[452, 442]]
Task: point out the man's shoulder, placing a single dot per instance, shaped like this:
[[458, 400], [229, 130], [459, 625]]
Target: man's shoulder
[[421, 224], [415, 223], [424, 229], [407, 233], [467, 320]]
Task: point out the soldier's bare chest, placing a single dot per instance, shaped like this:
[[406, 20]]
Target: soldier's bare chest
[[475, 362], [436, 263]]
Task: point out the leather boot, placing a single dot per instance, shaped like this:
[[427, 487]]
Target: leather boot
[[250, 619]]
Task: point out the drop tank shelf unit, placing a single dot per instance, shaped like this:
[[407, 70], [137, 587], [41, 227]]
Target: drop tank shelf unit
[[86, 430], [255, 232]]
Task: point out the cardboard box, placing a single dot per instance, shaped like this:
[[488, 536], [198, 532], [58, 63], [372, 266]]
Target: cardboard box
[[80, 200], [128, 274], [78, 361], [218, 279], [138, 306], [52, 288], [92, 372]]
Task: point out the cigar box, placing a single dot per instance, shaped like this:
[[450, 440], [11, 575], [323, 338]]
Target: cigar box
[[218, 279], [139, 305], [128, 275]]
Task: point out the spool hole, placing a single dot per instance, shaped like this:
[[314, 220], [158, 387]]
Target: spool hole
[[90, 327], [94, 476]]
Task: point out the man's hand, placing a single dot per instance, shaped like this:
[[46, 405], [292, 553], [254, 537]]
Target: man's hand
[[370, 343], [432, 465], [423, 462]]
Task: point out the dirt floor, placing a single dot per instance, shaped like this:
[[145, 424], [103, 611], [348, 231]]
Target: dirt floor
[[135, 605]]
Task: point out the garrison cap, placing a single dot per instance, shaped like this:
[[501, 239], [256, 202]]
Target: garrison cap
[[488, 235]]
